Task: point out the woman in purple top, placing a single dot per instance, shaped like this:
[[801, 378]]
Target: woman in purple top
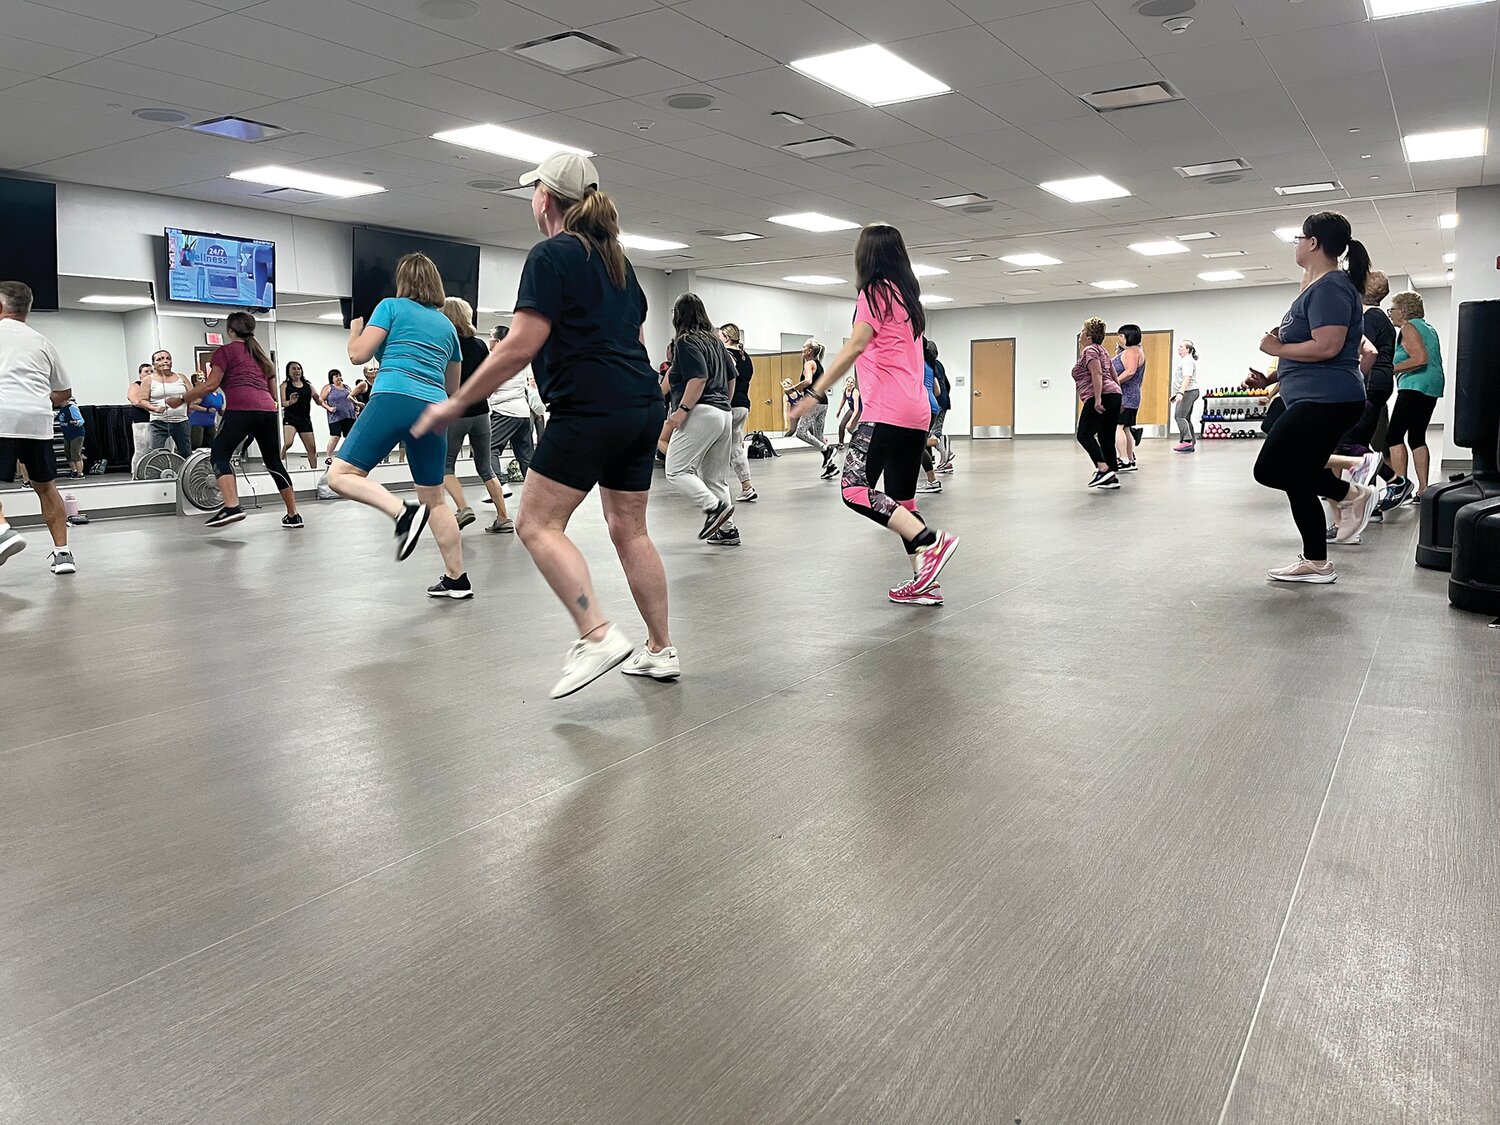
[[245, 372], [1130, 372], [1094, 376]]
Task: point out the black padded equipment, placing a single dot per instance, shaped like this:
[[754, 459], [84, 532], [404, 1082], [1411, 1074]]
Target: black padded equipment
[[1476, 424], [1474, 584]]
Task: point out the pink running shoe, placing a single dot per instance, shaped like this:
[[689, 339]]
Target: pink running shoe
[[1185, 447], [905, 595], [934, 558]]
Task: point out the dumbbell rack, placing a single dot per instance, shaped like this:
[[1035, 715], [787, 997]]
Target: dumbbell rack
[[1238, 415]]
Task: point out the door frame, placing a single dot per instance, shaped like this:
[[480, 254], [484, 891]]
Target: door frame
[[985, 432]]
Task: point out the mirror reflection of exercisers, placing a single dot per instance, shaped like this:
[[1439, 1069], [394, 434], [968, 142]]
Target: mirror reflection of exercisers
[[210, 269]]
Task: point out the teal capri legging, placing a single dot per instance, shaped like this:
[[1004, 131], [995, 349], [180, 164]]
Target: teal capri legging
[[385, 423]]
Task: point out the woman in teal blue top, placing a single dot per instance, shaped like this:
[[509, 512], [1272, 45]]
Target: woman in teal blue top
[[1419, 385], [419, 365]]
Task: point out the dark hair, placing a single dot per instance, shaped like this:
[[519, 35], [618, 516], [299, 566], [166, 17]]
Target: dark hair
[[334, 373], [289, 370], [144, 367], [1335, 238], [929, 350], [595, 221], [1191, 347], [883, 273], [499, 332], [1132, 335], [1093, 328], [241, 325]]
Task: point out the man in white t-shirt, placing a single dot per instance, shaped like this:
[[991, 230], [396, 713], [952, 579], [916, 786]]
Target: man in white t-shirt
[[32, 386], [510, 415]]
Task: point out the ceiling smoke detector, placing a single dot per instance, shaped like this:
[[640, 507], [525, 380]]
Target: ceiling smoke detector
[[690, 101], [572, 52], [1178, 24], [978, 209]]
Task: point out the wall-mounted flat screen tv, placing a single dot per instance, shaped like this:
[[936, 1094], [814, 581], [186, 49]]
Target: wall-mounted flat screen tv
[[376, 252], [210, 269], [28, 238]]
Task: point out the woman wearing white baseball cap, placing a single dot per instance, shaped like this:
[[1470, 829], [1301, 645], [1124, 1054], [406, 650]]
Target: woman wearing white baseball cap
[[579, 312]]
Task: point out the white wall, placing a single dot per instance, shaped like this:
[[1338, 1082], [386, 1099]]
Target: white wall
[[92, 348], [765, 315], [1225, 326]]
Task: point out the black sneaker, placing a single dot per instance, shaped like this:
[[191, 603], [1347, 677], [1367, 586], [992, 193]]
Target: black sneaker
[[1107, 481], [1128, 467], [226, 516], [292, 523], [725, 537], [409, 525], [456, 588], [831, 469], [828, 452], [1096, 478], [715, 519]]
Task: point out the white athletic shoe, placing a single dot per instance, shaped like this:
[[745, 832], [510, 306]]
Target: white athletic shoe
[[1355, 511], [586, 662], [662, 665]]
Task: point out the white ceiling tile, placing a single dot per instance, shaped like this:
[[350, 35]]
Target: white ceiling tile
[[356, 101], [883, 23], [620, 115], [308, 118], [38, 23], [170, 56], [950, 115], [518, 79], [460, 100], [1121, 73], [1004, 147], [1438, 38], [1214, 71], [867, 128], [1326, 52], [965, 56], [363, 29], [588, 13], [1272, 17], [1453, 96], [139, 87], [160, 17], [696, 49], [1061, 38], [1214, 25], [778, 88], [780, 29], [1028, 101], [36, 58], [495, 25], [633, 78], [281, 47], [1175, 122]]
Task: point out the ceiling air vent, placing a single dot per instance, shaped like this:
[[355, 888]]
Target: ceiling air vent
[[976, 257], [572, 52], [1130, 97], [818, 146], [1212, 168], [960, 200], [240, 129]]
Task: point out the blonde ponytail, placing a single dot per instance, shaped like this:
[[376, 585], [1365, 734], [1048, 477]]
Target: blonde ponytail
[[595, 221]]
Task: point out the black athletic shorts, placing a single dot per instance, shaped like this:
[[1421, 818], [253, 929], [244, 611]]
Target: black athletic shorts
[[615, 451], [1127, 415], [341, 427], [34, 453]]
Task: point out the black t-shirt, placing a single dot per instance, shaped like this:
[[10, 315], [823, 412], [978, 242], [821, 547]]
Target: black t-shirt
[[138, 414], [940, 385], [1382, 333], [302, 408], [696, 358], [473, 353], [744, 371], [593, 362]]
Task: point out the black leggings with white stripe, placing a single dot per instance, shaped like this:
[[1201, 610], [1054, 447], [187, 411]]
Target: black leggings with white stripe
[[240, 426]]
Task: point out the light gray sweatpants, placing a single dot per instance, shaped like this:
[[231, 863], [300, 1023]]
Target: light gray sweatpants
[[737, 459], [698, 457]]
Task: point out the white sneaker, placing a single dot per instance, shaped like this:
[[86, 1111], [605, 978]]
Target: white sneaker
[[1318, 573], [586, 662], [662, 665], [1355, 511], [930, 486]]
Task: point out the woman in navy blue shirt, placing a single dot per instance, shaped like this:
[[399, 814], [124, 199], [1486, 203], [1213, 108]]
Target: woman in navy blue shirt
[[1317, 347]]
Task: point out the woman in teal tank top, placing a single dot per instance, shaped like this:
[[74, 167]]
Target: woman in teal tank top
[[1419, 385]]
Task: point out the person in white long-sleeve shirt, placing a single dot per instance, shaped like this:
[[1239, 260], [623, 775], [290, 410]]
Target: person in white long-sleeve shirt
[[510, 415]]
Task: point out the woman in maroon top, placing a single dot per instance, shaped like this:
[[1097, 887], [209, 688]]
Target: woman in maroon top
[[1094, 376], [248, 378]]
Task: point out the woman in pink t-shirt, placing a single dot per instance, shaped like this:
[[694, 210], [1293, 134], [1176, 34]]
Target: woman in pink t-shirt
[[1094, 376], [885, 349]]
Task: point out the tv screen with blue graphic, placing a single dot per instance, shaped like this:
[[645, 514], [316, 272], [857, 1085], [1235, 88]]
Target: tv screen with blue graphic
[[209, 269]]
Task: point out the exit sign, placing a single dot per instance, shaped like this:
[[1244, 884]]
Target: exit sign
[[215, 338]]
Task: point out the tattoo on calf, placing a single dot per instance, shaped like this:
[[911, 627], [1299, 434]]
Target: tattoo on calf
[[583, 601]]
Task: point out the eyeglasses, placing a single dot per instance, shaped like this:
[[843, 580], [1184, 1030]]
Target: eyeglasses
[[1300, 238]]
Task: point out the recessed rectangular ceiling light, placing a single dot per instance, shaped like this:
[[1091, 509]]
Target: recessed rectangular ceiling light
[[506, 142], [1084, 189], [1221, 275], [818, 146], [1226, 254], [1308, 189], [340, 316], [1449, 144], [972, 258], [1031, 260], [1199, 237], [934, 299], [642, 242], [103, 299], [1212, 168], [276, 176], [1288, 234], [787, 118], [1113, 284], [1448, 221], [1384, 9], [871, 74], [741, 236], [960, 200], [1157, 249], [813, 221], [1127, 97], [240, 129], [1449, 259], [928, 271], [571, 52], [814, 279]]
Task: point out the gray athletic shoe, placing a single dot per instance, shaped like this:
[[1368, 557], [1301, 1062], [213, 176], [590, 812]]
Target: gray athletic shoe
[[12, 542]]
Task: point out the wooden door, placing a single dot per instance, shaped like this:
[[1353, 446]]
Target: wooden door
[[992, 384], [765, 396], [1156, 391]]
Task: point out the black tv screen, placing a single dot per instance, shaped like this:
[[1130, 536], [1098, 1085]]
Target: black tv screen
[[28, 238], [215, 269], [376, 252]]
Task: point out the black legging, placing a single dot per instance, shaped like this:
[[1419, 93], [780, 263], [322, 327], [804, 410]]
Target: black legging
[[1360, 437], [1294, 459], [1409, 419], [242, 426], [1096, 431]]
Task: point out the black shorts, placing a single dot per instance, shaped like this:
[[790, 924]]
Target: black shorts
[[302, 424], [341, 427], [1127, 415], [615, 451], [34, 453]]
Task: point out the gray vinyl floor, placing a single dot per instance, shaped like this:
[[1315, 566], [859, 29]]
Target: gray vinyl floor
[[1121, 834]]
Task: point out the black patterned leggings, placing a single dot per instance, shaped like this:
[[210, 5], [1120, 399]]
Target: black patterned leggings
[[876, 450]]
